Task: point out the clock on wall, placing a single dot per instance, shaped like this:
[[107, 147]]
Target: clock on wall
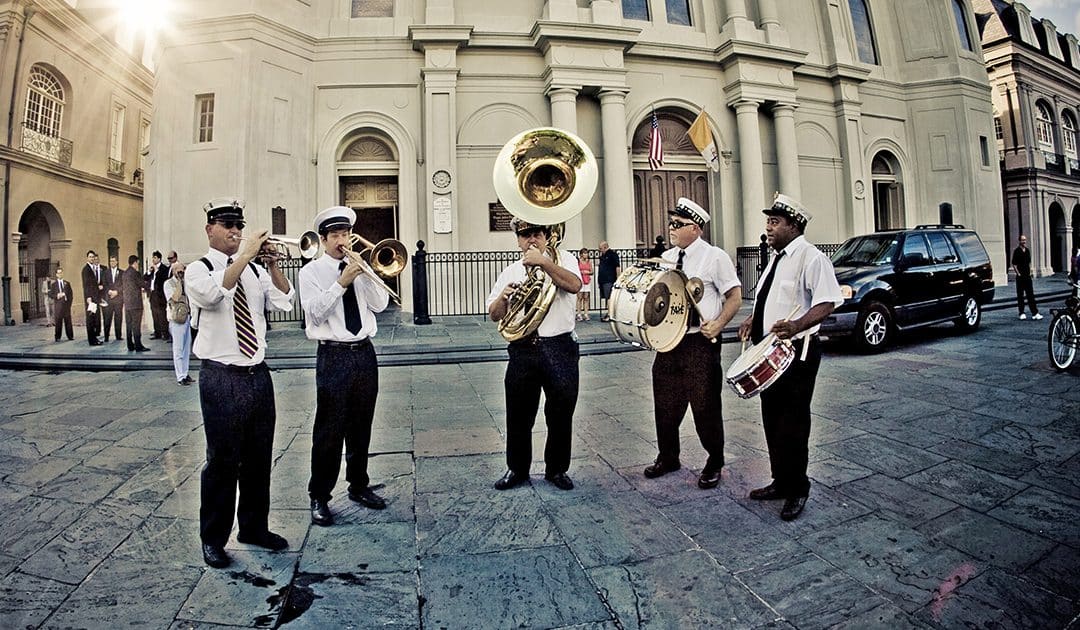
[[441, 179]]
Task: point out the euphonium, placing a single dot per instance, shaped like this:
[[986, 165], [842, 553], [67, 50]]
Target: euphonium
[[543, 176]]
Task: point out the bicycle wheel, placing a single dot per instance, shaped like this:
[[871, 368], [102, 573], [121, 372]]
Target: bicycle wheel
[[1062, 341]]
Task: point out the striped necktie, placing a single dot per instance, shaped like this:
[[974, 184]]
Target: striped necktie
[[245, 330]]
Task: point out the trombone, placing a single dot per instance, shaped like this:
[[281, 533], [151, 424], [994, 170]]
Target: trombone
[[385, 259]]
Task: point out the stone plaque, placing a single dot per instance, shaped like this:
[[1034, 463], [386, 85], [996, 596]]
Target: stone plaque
[[441, 214], [498, 217]]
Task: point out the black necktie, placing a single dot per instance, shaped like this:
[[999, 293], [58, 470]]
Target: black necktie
[[682, 254], [352, 309], [757, 332]]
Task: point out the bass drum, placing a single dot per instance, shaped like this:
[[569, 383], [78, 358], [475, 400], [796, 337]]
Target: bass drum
[[648, 306]]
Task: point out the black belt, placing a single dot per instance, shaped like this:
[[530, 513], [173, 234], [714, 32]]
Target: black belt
[[244, 369], [535, 339], [349, 345]]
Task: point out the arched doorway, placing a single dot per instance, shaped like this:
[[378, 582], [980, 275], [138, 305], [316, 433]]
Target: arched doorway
[[888, 192], [1059, 231], [40, 226], [368, 169], [683, 175]]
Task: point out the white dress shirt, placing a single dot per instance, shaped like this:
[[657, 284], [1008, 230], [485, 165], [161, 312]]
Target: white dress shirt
[[321, 298], [804, 277], [560, 317], [716, 271], [216, 340]]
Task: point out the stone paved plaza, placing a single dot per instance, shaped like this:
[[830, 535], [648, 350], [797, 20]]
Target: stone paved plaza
[[945, 494]]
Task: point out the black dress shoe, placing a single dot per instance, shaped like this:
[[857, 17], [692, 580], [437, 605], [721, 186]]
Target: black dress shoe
[[215, 556], [659, 469], [560, 481], [709, 478], [368, 499], [768, 493], [96, 343], [792, 508], [142, 349], [510, 479], [267, 539], [320, 513], [187, 380]]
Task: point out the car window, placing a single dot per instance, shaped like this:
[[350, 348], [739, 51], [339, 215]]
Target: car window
[[971, 247], [915, 253], [877, 249], [941, 248]]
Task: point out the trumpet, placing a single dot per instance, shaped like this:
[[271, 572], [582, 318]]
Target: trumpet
[[278, 246], [385, 259]]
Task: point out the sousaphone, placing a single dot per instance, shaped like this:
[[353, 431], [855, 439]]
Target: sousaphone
[[543, 176]]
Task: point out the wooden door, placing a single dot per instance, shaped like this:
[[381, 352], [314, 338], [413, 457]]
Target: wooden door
[[656, 192]]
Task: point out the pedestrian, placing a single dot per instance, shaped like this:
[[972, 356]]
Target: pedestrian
[[608, 270], [94, 294], [691, 373], [546, 359], [585, 268], [236, 392], [1074, 270], [179, 311], [799, 275], [133, 289], [155, 285], [340, 297], [49, 301], [1021, 265], [658, 248], [60, 292], [113, 311]]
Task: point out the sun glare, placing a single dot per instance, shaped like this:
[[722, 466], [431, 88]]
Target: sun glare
[[148, 15]]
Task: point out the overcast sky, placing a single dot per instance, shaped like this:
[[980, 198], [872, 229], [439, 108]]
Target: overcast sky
[[1065, 14]]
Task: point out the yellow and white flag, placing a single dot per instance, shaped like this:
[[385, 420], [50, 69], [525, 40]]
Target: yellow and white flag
[[701, 135]]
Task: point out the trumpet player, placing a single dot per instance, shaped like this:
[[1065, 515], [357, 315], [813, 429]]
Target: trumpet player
[[690, 374], [340, 296], [236, 393], [547, 359]]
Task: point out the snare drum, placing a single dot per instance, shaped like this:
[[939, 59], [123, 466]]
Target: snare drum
[[760, 365], [648, 306]]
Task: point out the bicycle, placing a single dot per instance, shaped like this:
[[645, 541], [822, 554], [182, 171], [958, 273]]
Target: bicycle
[[1063, 340]]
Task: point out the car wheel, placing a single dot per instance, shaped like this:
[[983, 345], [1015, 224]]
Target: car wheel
[[971, 316], [873, 328]]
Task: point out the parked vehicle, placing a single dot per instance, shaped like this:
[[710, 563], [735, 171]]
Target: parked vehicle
[[1063, 340], [901, 279]]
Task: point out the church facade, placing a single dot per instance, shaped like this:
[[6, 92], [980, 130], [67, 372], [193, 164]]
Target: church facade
[[872, 112]]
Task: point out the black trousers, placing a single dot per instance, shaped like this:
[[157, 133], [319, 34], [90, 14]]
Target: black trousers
[[689, 375], [238, 418], [62, 317], [785, 412], [548, 364], [1024, 288], [346, 387], [93, 325], [134, 327], [113, 316], [157, 312]]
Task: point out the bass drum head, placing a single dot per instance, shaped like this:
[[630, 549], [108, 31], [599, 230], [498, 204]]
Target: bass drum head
[[648, 307]]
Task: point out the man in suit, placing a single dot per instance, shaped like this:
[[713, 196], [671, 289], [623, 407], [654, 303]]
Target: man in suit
[[155, 283], [114, 299], [60, 292], [93, 281], [133, 284]]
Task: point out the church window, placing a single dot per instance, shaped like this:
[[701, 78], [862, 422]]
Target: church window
[[372, 8], [204, 118], [1068, 134], [44, 102], [635, 9], [1044, 127], [864, 32], [962, 26], [678, 12]]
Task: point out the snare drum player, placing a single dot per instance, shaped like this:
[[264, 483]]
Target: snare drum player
[[799, 275], [690, 374], [340, 300], [235, 389], [547, 359]]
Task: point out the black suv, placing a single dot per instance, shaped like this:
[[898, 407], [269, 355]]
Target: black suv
[[902, 279]]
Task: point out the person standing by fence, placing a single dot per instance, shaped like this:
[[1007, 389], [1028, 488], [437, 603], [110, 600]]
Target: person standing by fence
[[608, 272]]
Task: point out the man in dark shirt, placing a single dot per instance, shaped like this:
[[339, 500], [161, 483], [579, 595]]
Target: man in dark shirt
[[1021, 264], [607, 272]]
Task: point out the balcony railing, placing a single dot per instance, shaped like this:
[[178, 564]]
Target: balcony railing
[[49, 147], [1055, 162], [116, 168]]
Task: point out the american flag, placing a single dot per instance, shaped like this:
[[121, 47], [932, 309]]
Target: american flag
[[656, 146]]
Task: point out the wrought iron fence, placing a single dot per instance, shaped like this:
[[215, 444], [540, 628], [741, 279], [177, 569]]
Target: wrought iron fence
[[749, 263], [49, 147]]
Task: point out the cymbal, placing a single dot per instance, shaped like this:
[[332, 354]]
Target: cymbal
[[695, 288], [657, 302]]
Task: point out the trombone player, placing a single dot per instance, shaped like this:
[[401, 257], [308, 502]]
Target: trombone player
[[545, 359], [340, 296]]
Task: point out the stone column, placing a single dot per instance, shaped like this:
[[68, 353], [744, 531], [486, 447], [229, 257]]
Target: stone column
[[618, 181], [564, 116], [770, 23], [736, 25], [787, 150], [751, 172]]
